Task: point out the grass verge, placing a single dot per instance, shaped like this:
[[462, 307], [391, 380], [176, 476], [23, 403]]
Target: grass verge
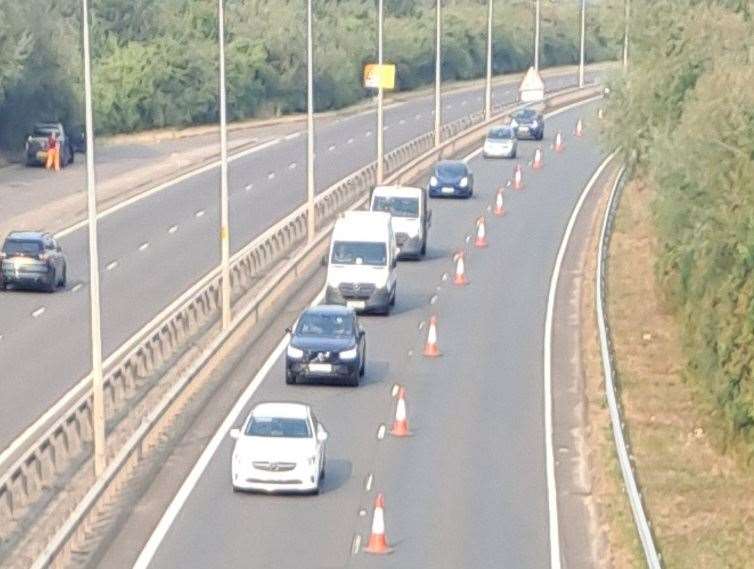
[[697, 486]]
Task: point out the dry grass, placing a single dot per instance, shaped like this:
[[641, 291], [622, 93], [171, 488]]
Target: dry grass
[[700, 494]]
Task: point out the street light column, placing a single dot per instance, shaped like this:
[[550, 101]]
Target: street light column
[[537, 14], [438, 72], [380, 98], [310, 221], [224, 214], [582, 55], [488, 86]]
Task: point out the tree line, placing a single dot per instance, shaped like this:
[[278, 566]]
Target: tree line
[[684, 116], [155, 62]]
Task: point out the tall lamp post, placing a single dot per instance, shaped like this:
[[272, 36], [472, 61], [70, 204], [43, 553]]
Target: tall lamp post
[[438, 72], [627, 16], [310, 221], [488, 86], [583, 43], [380, 98], [224, 214], [537, 17], [98, 395]]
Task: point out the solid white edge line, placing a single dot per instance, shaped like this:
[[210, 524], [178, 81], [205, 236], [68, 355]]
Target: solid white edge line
[[552, 495], [180, 499]]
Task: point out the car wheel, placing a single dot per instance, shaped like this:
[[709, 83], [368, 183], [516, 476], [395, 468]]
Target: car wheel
[[64, 278], [52, 284], [2, 284], [394, 295], [290, 379], [363, 366], [353, 380], [424, 247], [71, 155]]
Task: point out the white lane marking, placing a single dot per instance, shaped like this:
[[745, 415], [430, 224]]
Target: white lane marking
[[417, 117], [381, 432], [402, 121], [449, 106], [144, 246], [169, 184], [369, 133], [331, 147], [394, 391], [271, 175], [552, 497], [370, 481], [356, 545], [199, 213], [292, 136], [248, 187], [173, 229], [111, 265], [38, 312], [180, 499], [77, 287], [463, 103], [350, 141], [292, 166]]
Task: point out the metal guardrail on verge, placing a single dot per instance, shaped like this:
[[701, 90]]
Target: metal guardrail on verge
[[67, 437], [643, 525]]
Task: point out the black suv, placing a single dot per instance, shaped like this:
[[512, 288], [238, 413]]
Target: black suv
[[327, 343], [528, 123], [32, 259]]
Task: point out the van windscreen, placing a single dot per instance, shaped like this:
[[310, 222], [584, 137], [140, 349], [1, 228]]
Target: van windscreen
[[399, 207], [359, 253]]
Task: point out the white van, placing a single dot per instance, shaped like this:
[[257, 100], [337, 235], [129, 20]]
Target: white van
[[410, 217], [361, 270]]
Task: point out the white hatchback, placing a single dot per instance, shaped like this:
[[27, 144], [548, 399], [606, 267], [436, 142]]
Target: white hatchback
[[280, 448]]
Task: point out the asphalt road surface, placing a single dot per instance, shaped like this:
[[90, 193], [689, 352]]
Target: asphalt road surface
[[157, 247], [468, 489]]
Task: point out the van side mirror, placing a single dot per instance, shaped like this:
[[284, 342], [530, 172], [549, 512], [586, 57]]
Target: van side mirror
[[322, 434]]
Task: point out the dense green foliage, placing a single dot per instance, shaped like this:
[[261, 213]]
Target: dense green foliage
[[155, 61], [685, 113]]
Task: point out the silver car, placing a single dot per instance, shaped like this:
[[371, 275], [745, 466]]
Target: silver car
[[500, 143], [32, 259]]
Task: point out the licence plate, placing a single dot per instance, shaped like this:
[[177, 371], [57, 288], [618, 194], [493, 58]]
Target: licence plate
[[320, 368], [448, 190], [356, 304]]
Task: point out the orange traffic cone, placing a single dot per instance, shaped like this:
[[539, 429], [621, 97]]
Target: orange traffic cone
[[559, 144], [499, 208], [579, 129], [377, 541], [400, 424], [538, 163], [518, 177], [481, 234], [459, 278], [431, 350]]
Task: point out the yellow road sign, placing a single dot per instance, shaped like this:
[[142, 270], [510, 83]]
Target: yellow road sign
[[376, 76]]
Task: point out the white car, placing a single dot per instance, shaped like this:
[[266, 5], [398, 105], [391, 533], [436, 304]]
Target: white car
[[500, 143], [280, 448]]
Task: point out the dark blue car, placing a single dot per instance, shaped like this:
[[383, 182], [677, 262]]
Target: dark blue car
[[451, 178]]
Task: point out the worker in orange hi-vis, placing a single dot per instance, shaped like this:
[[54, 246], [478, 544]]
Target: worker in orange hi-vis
[[53, 152]]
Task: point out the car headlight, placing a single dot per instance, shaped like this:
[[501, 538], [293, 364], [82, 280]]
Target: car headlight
[[535, 124], [348, 354], [295, 353], [514, 124], [464, 182], [433, 181]]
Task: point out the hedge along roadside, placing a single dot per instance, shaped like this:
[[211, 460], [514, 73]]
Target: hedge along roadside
[[620, 436], [60, 548]]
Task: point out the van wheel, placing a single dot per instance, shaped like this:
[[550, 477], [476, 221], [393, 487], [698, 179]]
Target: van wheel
[[395, 293], [424, 247]]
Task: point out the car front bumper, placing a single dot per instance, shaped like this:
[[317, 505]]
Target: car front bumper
[[341, 370], [458, 192], [499, 151], [303, 478], [528, 133], [379, 299]]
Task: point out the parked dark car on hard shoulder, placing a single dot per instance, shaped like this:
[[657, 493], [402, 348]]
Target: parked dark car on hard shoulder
[[37, 144], [34, 260], [451, 178], [528, 123], [327, 343]]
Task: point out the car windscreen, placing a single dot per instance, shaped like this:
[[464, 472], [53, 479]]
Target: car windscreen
[[325, 325], [45, 130], [500, 134], [22, 247], [399, 207], [282, 427], [359, 253], [451, 170], [526, 116]]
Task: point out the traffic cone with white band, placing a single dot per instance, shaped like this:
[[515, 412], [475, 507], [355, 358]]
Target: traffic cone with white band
[[459, 278], [377, 543], [431, 350], [518, 177], [481, 233], [559, 144], [499, 210], [579, 129], [538, 162], [400, 424]]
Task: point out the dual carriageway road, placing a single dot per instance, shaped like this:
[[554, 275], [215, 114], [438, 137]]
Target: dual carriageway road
[[155, 247], [470, 487]]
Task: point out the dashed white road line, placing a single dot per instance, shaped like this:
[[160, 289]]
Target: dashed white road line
[[356, 545], [394, 391], [248, 187], [77, 287], [331, 147], [144, 246], [369, 133], [381, 432], [402, 121], [417, 117], [292, 136], [38, 312], [350, 141], [199, 213], [173, 229], [111, 265], [386, 127], [292, 166], [370, 481], [271, 176]]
